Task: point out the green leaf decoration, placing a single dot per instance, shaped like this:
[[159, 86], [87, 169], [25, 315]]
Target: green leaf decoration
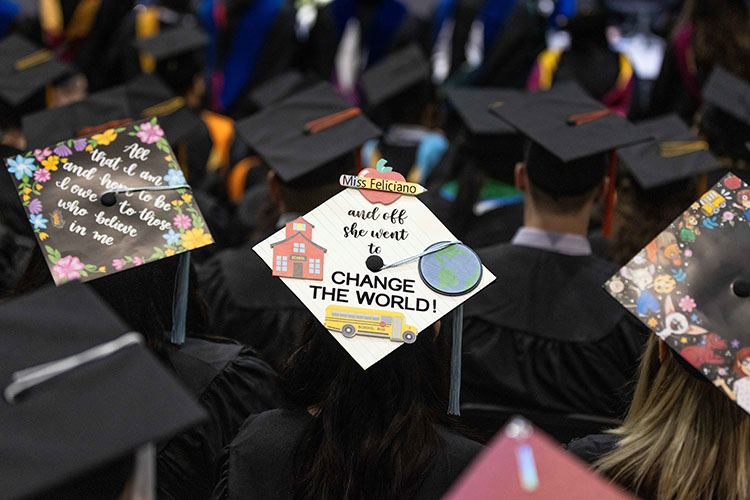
[[131, 134], [153, 121], [84, 273], [119, 129], [90, 267], [381, 166]]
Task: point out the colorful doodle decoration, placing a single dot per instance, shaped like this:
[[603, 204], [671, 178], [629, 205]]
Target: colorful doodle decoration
[[453, 270], [297, 256], [65, 218], [681, 286], [353, 321]]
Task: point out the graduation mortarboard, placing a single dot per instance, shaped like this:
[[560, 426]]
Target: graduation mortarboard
[[394, 75], [173, 42], [280, 87], [25, 70], [474, 106], [729, 93], [79, 391], [691, 284], [521, 462], [674, 154], [306, 131], [108, 201], [725, 116]]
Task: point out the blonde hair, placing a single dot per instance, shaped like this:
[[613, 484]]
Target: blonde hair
[[682, 438]]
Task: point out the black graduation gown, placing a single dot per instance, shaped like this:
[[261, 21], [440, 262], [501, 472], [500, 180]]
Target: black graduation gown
[[546, 336], [249, 304], [593, 447], [231, 384], [259, 464]]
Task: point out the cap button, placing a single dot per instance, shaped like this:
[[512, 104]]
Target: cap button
[[374, 263], [741, 288]]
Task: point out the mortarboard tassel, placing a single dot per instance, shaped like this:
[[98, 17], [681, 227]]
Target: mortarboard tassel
[[315, 126], [609, 201], [454, 397], [180, 299]]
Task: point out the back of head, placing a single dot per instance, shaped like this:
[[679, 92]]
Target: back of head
[[374, 432], [682, 438]]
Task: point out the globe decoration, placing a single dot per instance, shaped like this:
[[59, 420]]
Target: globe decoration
[[453, 270]]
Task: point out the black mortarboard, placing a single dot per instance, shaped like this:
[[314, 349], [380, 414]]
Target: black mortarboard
[[729, 93], [173, 42], [280, 87], [395, 75], [725, 117], [52, 125], [570, 132], [691, 286], [474, 106], [674, 154], [306, 131], [25, 69], [58, 429]]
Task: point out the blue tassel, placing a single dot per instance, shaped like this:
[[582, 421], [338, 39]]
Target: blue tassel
[[454, 398], [180, 300]]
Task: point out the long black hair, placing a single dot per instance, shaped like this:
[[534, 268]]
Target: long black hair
[[374, 433]]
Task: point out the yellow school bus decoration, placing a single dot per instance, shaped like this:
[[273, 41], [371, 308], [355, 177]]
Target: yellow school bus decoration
[[351, 321], [712, 203]]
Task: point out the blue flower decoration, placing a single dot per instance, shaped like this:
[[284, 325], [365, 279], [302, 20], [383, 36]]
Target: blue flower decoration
[[694, 318], [21, 166], [172, 237], [38, 221], [174, 177]]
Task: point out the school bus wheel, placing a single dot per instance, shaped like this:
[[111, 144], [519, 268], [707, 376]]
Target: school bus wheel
[[348, 331], [409, 337]]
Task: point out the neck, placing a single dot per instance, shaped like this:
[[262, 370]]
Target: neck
[[13, 136], [577, 223]]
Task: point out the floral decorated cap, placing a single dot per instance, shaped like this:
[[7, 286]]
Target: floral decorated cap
[[108, 201], [102, 394], [691, 285], [523, 462]]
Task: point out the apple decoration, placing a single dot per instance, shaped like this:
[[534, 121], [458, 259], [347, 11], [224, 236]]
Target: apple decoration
[[381, 171], [733, 182]]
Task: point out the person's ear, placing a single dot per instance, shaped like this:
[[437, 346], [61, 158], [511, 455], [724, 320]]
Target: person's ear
[[663, 351], [520, 176], [273, 186]]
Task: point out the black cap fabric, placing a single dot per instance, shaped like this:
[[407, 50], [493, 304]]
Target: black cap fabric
[[394, 75], [25, 69], [280, 87], [691, 286], [569, 133], [173, 42], [104, 409], [474, 106], [306, 131], [675, 154], [729, 93]]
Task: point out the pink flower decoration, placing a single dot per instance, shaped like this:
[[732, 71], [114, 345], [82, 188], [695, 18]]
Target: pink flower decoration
[[118, 264], [42, 175], [150, 133], [182, 221], [687, 303], [42, 154], [688, 253], [137, 261], [728, 215], [68, 267]]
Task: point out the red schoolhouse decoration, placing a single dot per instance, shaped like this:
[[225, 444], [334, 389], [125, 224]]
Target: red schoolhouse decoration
[[297, 256]]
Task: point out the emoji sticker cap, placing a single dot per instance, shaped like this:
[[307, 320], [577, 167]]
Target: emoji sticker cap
[[522, 462], [306, 131], [691, 284], [674, 154], [375, 271]]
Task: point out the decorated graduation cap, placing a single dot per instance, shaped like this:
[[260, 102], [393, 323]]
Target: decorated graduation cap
[[306, 131], [376, 267], [522, 462], [673, 155], [725, 116], [25, 71], [571, 137], [109, 201], [395, 75], [78, 393], [691, 284]]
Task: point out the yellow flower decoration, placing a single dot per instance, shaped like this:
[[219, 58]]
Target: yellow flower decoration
[[652, 322], [43, 236], [89, 148], [106, 137], [63, 160], [26, 190], [168, 157], [26, 197], [102, 269], [195, 238], [177, 203], [683, 340], [51, 162], [169, 252], [187, 197], [38, 187], [664, 283]]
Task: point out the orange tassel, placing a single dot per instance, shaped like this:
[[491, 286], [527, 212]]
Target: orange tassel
[[315, 126], [584, 118]]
